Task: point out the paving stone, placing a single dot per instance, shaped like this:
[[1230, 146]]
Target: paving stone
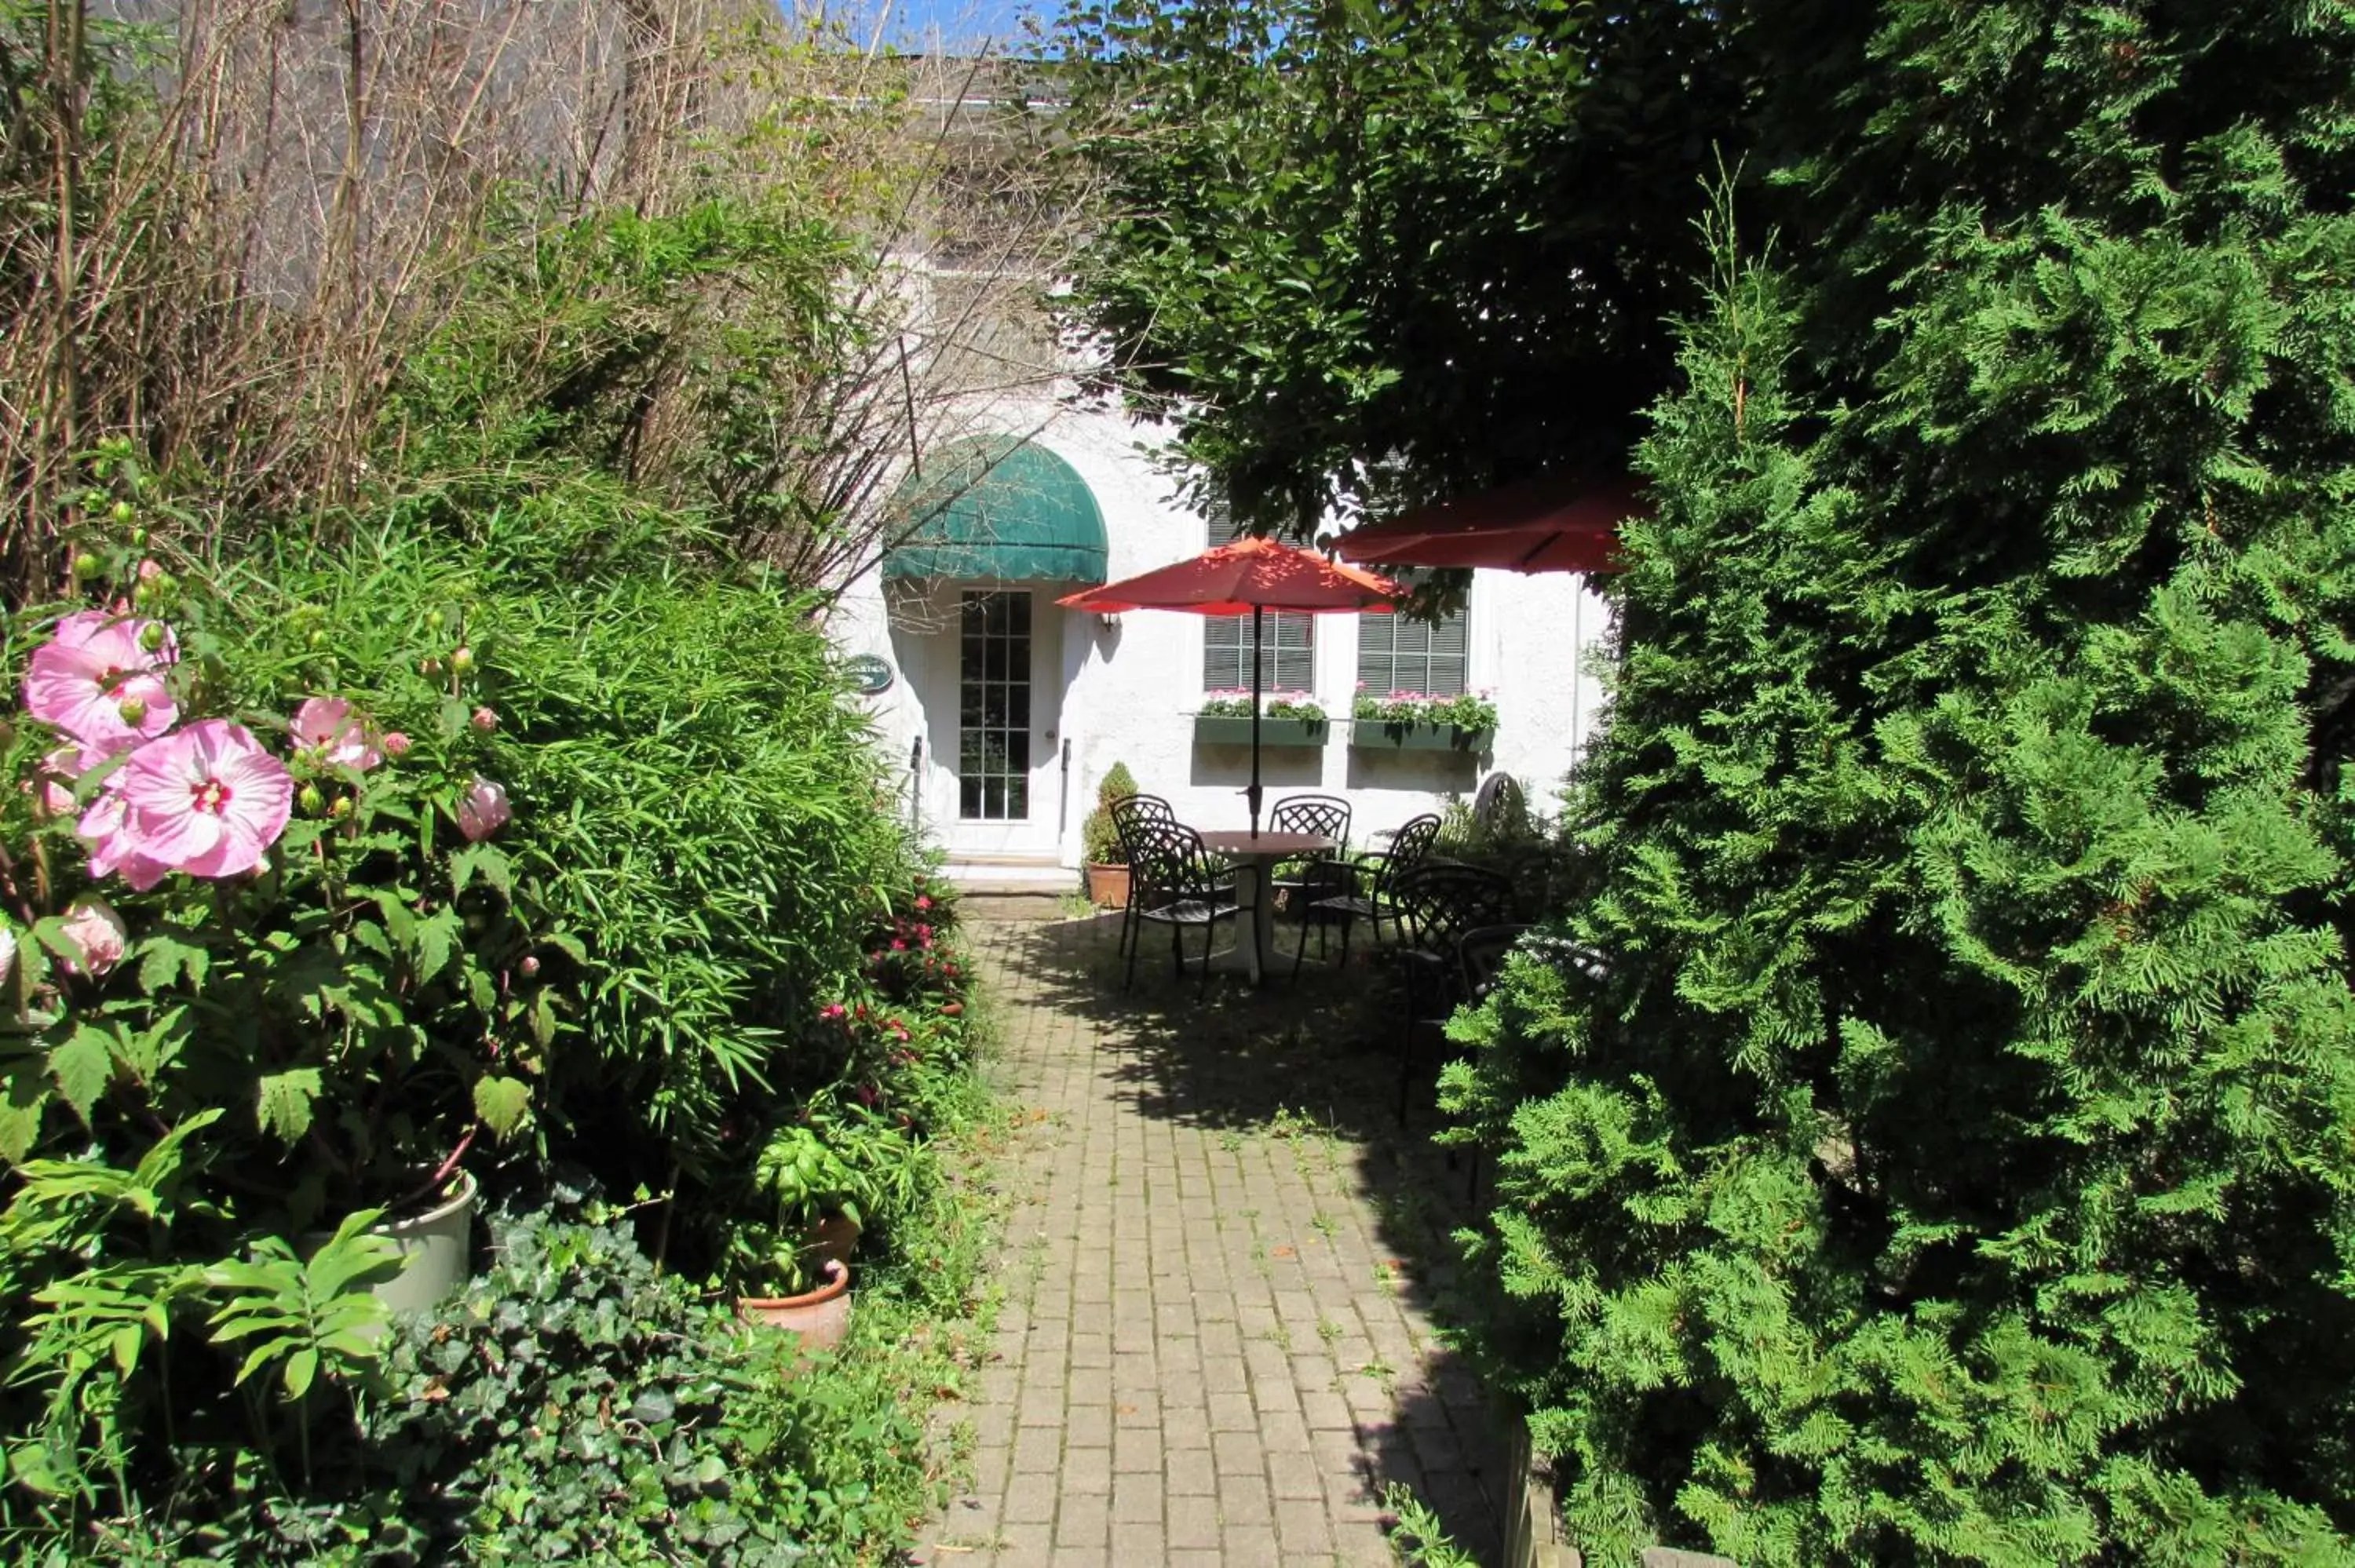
[[1137, 1449], [1193, 1524], [1191, 1301], [1038, 1448], [1030, 1498], [1190, 1472], [1137, 1498]]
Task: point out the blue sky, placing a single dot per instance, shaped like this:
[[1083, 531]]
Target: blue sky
[[959, 21]]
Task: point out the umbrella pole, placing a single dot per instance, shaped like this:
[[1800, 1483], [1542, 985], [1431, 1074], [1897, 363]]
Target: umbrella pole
[[1258, 654]]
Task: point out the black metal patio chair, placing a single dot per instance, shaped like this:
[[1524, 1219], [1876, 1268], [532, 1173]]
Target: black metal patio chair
[[1439, 903], [1130, 813], [1343, 891], [1479, 959], [1325, 815], [1184, 884]]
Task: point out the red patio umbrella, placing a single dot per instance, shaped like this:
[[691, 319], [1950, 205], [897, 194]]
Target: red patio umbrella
[[1249, 576], [1557, 523]]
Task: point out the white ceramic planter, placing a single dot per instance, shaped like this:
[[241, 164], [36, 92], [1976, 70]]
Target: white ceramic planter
[[436, 1244]]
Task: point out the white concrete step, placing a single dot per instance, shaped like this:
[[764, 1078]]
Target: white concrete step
[[984, 873]]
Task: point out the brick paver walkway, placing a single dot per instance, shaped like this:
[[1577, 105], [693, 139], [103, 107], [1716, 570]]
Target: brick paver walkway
[[1214, 1347]]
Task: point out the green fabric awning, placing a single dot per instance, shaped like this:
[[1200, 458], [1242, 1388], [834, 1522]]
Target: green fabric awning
[[1003, 509]]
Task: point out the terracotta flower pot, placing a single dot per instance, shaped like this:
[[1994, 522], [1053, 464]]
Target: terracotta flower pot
[[821, 1316], [835, 1237], [1108, 886]]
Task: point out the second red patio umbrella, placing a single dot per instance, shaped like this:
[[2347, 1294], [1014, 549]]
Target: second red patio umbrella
[[1554, 524], [1250, 577]]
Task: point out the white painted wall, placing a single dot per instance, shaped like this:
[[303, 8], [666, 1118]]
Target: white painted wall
[[1131, 688]]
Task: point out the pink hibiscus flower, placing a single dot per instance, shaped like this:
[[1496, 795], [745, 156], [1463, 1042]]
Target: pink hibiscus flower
[[99, 680], [207, 800], [483, 811], [328, 729]]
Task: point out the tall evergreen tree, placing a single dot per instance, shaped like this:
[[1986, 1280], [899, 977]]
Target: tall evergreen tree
[[1953, 1158]]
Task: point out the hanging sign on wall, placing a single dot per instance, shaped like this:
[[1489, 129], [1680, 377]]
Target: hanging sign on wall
[[868, 673]]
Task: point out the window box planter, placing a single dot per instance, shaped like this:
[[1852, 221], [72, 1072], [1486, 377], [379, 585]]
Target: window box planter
[[1225, 730], [1371, 735]]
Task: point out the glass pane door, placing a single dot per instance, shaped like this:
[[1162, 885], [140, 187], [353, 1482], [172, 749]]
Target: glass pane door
[[994, 707]]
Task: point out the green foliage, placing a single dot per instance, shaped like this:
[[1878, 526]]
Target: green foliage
[[350, 997], [690, 787], [602, 338], [1948, 1158], [573, 1402], [687, 785], [89, 1249], [304, 1315], [1386, 253], [1280, 705], [1099, 839], [1417, 1537]]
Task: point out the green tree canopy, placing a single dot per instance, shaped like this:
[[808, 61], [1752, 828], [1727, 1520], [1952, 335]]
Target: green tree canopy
[[1364, 252]]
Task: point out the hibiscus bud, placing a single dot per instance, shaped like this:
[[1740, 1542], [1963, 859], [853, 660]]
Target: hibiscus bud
[[395, 743], [484, 721], [150, 572], [139, 538], [342, 808], [310, 799], [134, 711], [87, 564], [462, 659], [317, 639], [97, 933], [429, 667], [433, 620], [152, 636], [123, 511], [530, 966], [483, 810]]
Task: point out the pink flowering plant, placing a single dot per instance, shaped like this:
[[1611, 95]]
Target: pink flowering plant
[[1471, 711], [898, 1045], [231, 886]]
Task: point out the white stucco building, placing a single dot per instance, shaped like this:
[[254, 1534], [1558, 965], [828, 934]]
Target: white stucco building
[[1007, 709], [1010, 709]]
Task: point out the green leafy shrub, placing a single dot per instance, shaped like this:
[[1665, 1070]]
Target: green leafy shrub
[[391, 993], [573, 1402], [688, 782], [1099, 839]]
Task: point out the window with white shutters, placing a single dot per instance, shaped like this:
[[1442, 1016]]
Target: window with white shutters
[[1288, 652], [1398, 654]]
